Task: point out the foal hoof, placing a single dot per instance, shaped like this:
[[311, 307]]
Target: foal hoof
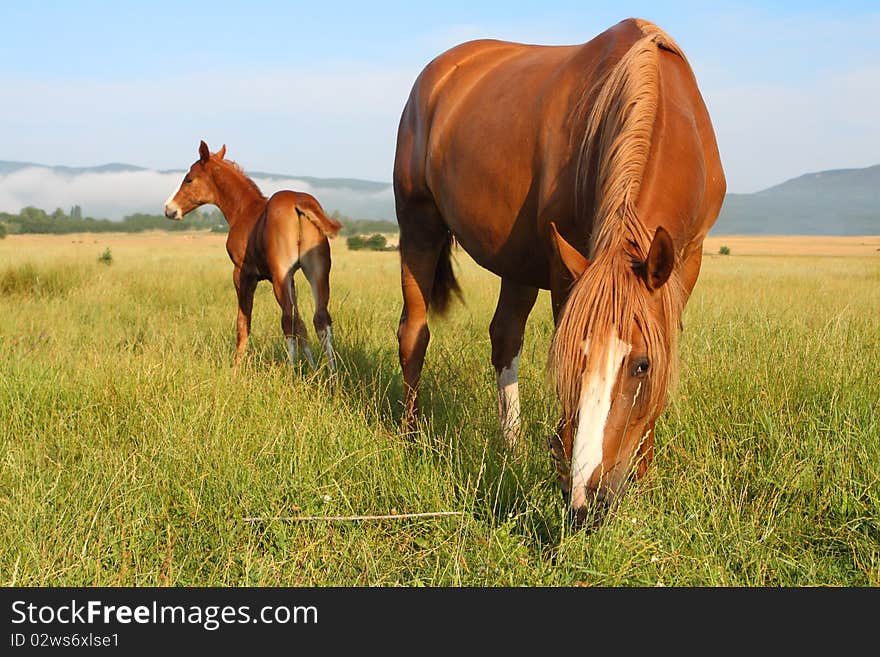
[[513, 438], [409, 427]]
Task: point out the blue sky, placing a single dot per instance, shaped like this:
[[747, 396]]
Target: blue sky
[[317, 88]]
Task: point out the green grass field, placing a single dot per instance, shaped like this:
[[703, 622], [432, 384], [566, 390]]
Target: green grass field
[[131, 452]]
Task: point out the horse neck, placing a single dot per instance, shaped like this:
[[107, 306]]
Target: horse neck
[[237, 199]]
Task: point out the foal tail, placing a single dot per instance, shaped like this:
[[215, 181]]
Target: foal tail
[[444, 280], [313, 211]]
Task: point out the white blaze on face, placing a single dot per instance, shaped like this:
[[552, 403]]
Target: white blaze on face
[[595, 405], [508, 399], [170, 204]]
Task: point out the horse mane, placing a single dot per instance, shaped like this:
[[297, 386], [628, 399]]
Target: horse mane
[[608, 296], [237, 169]]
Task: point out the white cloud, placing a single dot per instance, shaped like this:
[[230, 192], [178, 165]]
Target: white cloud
[[770, 133], [336, 122]]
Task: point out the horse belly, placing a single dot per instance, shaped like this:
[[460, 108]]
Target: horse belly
[[507, 249], [490, 200]]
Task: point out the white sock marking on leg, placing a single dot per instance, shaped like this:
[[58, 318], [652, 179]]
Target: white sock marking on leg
[[326, 338], [508, 400], [309, 357]]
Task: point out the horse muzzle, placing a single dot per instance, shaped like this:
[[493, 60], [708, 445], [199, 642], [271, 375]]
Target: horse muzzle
[[592, 512], [172, 213]]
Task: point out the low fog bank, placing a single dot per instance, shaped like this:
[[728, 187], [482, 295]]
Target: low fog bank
[[113, 195]]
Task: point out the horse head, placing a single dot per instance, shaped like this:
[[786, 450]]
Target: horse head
[[613, 354], [198, 186]]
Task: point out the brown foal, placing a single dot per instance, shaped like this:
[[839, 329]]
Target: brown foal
[[269, 239]]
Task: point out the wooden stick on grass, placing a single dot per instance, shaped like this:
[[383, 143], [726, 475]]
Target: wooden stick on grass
[[391, 516]]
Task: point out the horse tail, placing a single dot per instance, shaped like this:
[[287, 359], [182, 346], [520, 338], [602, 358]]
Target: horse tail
[[445, 283], [315, 213]]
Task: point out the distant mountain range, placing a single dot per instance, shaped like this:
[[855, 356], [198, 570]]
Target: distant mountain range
[[837, 202], [7, 167]]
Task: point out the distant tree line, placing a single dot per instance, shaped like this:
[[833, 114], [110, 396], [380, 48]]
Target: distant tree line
[[376, 242], [351, 227], [35, 220]]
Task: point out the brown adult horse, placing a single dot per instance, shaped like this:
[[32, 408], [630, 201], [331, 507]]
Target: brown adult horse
[[588, 170], [269, 239]]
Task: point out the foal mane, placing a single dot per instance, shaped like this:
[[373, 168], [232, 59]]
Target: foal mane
[[612, 160], [235, 168]]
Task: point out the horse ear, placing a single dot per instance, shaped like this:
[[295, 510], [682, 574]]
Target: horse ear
[[574, 262], [222, 152], [204, 153], [661, 259]]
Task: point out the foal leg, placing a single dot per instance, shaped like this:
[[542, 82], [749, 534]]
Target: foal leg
[[292, 326], [316, 267], [515, 302], [422, 238], [299, 326], [244, 290]]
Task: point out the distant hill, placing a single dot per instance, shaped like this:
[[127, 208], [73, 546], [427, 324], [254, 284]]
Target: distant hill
[[7, 167], [837, 202]]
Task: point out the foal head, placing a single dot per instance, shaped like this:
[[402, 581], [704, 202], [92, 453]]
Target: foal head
[[198, 186], [613, 354]]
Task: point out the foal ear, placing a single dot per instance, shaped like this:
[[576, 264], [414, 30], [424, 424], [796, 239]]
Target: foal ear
[[204, 153], [221, 153], [661, 259], [574, 262]]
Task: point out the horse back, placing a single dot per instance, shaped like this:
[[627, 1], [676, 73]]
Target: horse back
[[489, 135]]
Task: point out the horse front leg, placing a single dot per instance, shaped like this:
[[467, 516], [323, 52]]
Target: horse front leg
[[515, 302], [244, 289]]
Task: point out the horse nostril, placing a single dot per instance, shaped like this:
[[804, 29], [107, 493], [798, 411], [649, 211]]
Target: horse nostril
[[592, 513], [171, 214]]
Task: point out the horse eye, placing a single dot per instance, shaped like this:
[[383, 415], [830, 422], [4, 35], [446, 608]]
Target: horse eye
[[640, 367]]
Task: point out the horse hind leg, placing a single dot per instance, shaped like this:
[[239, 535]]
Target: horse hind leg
[[316, 265], [322, 321], [292, 325], [424, 243], [299, 328]]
